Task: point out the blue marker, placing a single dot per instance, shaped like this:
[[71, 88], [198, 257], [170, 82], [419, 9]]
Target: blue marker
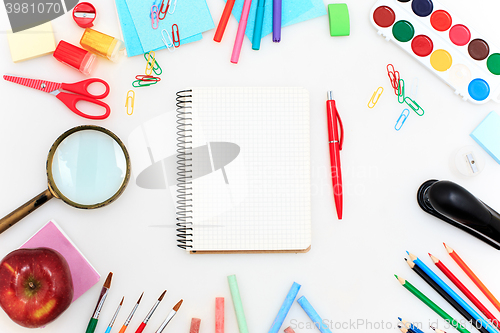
[[318, 322], [259, 20], [484, 323], [285, 307]]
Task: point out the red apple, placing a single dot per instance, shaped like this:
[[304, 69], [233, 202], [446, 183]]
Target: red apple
[[35, 286]]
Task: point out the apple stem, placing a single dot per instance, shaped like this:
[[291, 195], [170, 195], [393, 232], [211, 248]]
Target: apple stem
[[31, 285]]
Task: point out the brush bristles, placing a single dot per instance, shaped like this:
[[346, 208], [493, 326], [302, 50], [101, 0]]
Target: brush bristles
[[177, 306], [161, 297], [121, 303], [107, 283], [139, 301]]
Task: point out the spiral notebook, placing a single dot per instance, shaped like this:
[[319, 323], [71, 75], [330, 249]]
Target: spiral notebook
[[243, 170]]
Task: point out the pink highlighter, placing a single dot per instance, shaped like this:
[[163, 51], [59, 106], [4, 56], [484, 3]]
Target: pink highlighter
[[240, 34]]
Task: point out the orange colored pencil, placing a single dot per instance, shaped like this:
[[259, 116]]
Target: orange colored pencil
[[473, 277]]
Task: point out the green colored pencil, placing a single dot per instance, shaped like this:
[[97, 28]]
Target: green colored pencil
[[431, 304]]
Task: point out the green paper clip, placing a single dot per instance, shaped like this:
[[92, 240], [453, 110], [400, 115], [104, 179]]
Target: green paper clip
[[139, 83], [401, 91], [156, 68], [414, 106]]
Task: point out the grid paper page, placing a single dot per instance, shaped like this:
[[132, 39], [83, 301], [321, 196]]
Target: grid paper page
[[256, 195]]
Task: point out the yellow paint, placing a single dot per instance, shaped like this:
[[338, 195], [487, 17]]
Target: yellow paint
[[45, 310], [31, 43], [9, 267], [441, 60]]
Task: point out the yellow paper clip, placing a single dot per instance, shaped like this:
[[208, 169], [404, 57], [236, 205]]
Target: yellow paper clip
[[375, 97], [401, 120], [150, 62], [167, 41], [131, 98]]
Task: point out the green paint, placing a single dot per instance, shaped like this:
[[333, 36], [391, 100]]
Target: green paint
[[403, 31], [493, 63], [338, 15]]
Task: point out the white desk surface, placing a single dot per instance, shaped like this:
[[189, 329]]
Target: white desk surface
[[348, 273]]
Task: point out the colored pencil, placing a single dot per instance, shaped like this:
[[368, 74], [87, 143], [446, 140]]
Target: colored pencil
[[437, 330], [111, 323], [479, 319], [464, 290], [129, 318], [223, 20], [410, 326], [150, 314], [445, 295], [403, 328], [100, 302], [169, 317], [473, 277], [434, 307]]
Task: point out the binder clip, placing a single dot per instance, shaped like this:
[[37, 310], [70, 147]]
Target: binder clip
[[455, 205]]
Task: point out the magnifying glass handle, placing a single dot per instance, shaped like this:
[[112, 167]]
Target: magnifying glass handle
[[14, 217]]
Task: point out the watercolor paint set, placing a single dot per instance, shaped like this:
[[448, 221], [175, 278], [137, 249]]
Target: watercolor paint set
[[444, 43]]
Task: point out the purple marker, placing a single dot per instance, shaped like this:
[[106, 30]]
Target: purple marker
[[277, 21]]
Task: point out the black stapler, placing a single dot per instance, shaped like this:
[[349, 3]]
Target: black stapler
[[454, 204]]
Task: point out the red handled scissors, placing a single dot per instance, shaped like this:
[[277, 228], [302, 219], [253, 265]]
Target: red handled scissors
[[80, 90]]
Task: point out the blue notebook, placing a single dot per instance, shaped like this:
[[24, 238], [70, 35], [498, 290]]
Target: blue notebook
[[487, 135]]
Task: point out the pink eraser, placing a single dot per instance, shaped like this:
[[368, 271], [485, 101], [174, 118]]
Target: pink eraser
[[195, 325], [289, 330], [219, 315], [83, 274]]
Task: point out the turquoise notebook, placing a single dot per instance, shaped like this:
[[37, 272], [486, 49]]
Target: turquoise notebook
[[487, 135]]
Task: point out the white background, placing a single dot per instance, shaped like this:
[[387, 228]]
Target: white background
[[348, 274]]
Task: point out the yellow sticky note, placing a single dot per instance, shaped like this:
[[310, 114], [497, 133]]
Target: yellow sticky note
[[31, 43]]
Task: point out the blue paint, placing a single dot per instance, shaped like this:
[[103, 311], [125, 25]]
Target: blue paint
[[479, 89], [422, 8]]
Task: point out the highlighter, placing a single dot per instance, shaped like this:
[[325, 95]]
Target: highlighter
[[101, 44], [74, 57]]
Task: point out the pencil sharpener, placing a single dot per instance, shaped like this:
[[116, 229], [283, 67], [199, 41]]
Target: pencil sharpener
[[84, 14], [454, 204]]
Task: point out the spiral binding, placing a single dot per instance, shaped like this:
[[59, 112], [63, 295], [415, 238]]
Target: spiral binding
[[184, 169]]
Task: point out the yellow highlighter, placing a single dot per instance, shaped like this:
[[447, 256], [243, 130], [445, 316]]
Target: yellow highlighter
[[101, 44]]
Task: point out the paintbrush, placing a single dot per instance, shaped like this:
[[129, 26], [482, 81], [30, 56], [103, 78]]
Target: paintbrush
[[169, 317], [100, 302], [145, 321], [129, 318]]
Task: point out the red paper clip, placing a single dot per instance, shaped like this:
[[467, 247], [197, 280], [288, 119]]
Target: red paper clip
[[163, 12], [154, 17], [175, 31], [393, 77], [145, 78]]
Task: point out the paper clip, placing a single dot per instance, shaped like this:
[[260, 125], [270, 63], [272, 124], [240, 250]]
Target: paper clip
[[153, 63], [414, 88], [150, 62], [143, 83], [167, 41], [393, 77], [147, 78], [375, 97], [154, 17], [414, 106], [163, 12], [401, 91], [130, 98], [172, 7], [404, 115], [175, 35]]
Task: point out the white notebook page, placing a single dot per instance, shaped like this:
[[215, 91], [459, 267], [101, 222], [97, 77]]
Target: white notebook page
[[253, 190]]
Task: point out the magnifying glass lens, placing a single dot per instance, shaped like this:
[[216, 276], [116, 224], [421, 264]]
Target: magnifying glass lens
[[88, 167]]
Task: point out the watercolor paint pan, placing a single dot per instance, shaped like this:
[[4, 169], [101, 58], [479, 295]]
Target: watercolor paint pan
[[443, 43]]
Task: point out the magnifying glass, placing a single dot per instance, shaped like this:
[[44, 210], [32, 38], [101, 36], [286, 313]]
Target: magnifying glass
[[87, 167]]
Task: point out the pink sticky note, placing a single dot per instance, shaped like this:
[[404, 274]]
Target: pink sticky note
[[289, 330], [195, 325], [83, 274], [219, 315]]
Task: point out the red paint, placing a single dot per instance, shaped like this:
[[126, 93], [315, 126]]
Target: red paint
[[441, 20], [384, 16], [459, 34], [422, 45]]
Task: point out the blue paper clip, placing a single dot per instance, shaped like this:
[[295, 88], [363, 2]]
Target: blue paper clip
[[404, 115], [414, 106]]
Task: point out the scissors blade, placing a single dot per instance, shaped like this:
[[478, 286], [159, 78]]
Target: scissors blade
[[43, 85]]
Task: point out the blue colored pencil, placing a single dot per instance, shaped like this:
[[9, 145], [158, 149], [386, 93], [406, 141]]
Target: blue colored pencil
[[411, 326], [318, 322], [452, 293], [285, 307]]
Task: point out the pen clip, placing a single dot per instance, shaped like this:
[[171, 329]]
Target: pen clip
[[341, 131]]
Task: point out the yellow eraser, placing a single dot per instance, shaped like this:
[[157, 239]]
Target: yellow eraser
[[31, 43]]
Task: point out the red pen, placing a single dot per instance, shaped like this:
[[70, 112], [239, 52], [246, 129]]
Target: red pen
[[335, 148]]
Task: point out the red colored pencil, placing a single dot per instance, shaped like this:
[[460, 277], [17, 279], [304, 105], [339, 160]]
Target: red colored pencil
[[464, 290], [473, 277]]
